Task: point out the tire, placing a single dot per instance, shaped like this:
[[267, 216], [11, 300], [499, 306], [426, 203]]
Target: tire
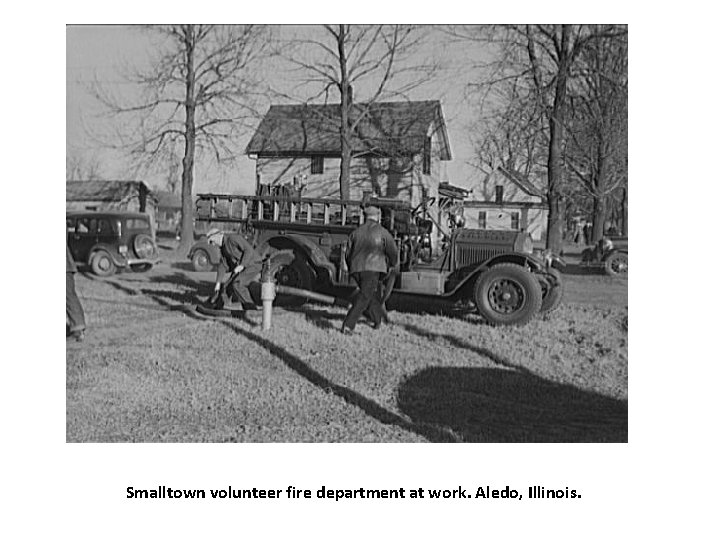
[[201, 261], [616, 264], [102, 264], [297, 274], [552, 293], [143, 246], [507, 294]]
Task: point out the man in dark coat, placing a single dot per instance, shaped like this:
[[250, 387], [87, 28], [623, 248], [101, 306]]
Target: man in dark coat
[[74, 314], [371, 253], [238, 257]]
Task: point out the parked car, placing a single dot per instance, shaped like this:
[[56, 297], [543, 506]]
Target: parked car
[[610, 254], [203, 255], [108, 241]]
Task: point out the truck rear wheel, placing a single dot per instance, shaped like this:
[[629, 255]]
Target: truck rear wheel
[[297, 274], [507, 294]]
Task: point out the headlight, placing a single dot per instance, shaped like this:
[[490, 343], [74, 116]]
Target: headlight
[[122, 249]]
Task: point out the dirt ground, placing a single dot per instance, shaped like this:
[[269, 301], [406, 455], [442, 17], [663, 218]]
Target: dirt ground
[[151, 369]]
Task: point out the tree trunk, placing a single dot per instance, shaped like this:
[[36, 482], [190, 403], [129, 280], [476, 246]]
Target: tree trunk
[[345, 105], [624, 212], [599, 218], [187, 229], [555, 154]]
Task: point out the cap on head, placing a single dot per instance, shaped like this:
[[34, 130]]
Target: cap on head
[[372, 212], [214, 236]]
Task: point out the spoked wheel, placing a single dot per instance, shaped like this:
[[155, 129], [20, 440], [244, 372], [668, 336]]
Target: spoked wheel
[[507, 294], [617, 264]]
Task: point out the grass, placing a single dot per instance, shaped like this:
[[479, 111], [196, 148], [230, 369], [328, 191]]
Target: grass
[[153, 370]]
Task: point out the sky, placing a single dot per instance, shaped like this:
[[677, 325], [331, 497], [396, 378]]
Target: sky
[[105, 52]]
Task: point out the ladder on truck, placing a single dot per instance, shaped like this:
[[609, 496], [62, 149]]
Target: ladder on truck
[[277, 208]]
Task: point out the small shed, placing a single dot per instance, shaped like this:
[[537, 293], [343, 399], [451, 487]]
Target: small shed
[[111, 195]]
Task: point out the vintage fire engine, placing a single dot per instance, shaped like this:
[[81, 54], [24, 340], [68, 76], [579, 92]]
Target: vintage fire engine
[[497, 270]]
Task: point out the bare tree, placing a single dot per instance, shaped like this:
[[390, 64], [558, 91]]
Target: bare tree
[[376, 61], [596, 151], [196, 97], [542, 61], [81, 168]]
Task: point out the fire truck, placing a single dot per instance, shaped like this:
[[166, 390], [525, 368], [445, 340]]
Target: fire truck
[[498, 271]]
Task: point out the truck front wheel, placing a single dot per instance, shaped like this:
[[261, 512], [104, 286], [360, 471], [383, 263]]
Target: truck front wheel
[[507, 294]]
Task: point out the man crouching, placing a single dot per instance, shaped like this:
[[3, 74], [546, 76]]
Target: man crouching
[[238, 257]]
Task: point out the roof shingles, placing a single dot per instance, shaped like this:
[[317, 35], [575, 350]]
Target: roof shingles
[[386, 128]]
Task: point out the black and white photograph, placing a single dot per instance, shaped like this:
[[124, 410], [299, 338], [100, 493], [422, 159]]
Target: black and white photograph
[[358, 271], [347, 233]]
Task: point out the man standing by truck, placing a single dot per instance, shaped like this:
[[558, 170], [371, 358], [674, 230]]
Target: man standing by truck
[[371, 253], [238, 257]]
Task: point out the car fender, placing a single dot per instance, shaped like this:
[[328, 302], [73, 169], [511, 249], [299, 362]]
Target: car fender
[[118, 259], [612, 251], [212, 251]]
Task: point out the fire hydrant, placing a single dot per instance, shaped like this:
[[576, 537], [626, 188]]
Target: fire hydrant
[[267, 295]]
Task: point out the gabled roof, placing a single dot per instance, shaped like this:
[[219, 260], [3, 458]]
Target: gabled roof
[[103, 190], [386, 128], [521, 181]]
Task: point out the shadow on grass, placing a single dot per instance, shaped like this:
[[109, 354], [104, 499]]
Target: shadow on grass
[[368, 406], [371, 408], [501, 405], [508, 403]]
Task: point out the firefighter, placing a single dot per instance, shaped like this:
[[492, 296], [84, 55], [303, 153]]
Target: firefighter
[[370, 255], [238, 257]]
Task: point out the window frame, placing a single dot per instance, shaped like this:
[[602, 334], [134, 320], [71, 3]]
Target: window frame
[[317, 164]]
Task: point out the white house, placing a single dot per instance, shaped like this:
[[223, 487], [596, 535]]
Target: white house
[[506, 200]]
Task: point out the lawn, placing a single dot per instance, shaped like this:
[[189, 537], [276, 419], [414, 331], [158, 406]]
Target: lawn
[[153, 370]]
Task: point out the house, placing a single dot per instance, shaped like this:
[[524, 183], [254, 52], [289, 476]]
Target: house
[[169, 208], [110, 195], [506, 200], [398, 150]]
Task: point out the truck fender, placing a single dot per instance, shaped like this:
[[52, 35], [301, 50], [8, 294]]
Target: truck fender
[[521, 259], [308, 248]]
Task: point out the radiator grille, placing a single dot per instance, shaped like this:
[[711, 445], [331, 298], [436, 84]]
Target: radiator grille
[[467, 255]]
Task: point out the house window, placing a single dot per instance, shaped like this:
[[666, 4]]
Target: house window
[[499, 194], [515, 221], [482, 219], [427, 163], [317, 165]]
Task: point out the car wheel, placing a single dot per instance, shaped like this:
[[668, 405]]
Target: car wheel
[[552, 291], [616, 264], [507, 294], [102, 264], [201, 261]]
